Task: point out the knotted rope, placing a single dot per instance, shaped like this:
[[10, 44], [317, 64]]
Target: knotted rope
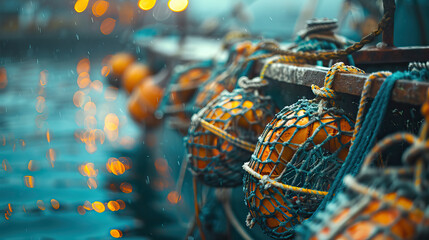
[[326, 91], [365, 138]]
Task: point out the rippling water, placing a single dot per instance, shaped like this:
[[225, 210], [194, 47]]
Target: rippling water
[[41, 149]]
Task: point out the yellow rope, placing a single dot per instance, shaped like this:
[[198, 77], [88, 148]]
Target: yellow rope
[[281, 185], [226, 136]]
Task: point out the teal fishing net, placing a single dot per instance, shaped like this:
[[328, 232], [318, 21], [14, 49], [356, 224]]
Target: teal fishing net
[[377, 204], [294, 163], [222, 134]]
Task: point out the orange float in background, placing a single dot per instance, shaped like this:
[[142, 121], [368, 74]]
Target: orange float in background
[[133, 75], [144, 101], [118, 64]]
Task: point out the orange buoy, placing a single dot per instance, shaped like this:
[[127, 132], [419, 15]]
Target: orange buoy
[[144, 101], [295, 142], [134, 75], [188, 84], [217, 160], [375, 215], [118, 64]]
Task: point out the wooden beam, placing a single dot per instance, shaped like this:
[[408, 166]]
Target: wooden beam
[[405, 91]]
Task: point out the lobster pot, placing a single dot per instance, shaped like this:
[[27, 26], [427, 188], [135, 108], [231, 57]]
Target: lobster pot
[[215, 158], [398, 213], [295, 161]]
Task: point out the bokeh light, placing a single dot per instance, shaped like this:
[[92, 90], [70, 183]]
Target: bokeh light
[[146, 4], [107, 26], [178, 5], [99, 8], [80, 5]]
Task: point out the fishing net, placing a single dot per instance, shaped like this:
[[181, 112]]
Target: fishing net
[[222, 134], [182, 87], [397, 212], [295, 161], [389, 203], [225, 78]]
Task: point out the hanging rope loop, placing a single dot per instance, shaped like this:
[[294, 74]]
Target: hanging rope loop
[[326, 91]]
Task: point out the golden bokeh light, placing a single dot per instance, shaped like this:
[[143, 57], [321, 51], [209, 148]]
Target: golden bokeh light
[[92, 183], [113, 206], [115, 166], [178, 5], [43, 78], [88, 170], [146, 4], [116, 233], [98, 207], [100, 7], [29, 181], [83, 66], [111, 122], [90, 108], [97, 85], [5, 165], [121, 204], [83, 80], [32, 166], [107, 26], [105, 70], [51, 155], [55, 204], [41, 205], [87, 205], [78, 98], [48, 136], [80, 5], [173, 197], [126, 187], [126, 161]]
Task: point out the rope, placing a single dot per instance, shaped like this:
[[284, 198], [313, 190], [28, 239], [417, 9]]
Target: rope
[[328, 55], [255, 83], [326, 91], [267, 182], [360, 188], [226, 136], [387, 142], [364, 99], [197, 210], [366, 137]]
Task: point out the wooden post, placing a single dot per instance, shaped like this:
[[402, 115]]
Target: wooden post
[[389, 6]]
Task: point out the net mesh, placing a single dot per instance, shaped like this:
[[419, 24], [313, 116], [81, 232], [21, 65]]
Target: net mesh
[[295, 161], [183, 86], [241, 115], [398, 214]]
